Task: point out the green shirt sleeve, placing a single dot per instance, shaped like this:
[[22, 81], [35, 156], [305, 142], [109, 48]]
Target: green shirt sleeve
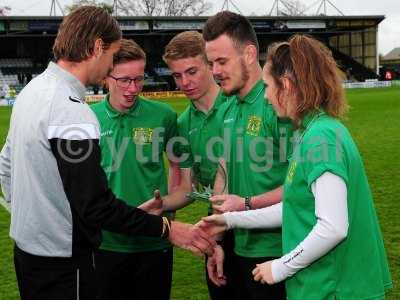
[[184, 151], [171, 132], [321, 154]]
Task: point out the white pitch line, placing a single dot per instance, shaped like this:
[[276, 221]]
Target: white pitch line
[[5, 204]]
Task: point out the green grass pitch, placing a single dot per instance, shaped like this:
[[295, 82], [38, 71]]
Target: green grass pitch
[[374, 120]]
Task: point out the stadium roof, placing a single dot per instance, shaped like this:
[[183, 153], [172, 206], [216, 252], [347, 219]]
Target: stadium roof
[[393, 55], [206, 17], [46, 25]]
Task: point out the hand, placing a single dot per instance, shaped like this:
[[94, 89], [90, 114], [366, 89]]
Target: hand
[[215, 266], [213, 225], [263, 273], [225, 203], [153, 206], [192, 238]]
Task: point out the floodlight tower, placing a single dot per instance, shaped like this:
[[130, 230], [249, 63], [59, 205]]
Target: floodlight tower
[[275, 6], [115, 8], [225, 6], [283, 7], [323, 6], [53, 11]]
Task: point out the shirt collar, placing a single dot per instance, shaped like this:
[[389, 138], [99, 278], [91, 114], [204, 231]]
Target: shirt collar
[[253, 94], [69, 78], [217, 103], [311, 117], [113, 113]]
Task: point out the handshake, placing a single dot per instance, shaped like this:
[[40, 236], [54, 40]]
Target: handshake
[[199, 238]]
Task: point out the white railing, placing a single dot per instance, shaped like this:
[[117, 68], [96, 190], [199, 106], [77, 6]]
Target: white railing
[[367, 84]]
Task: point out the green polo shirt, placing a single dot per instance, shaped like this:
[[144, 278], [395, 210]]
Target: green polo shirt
[[256, 161], [199, 129], [357, 268], [132, 146]]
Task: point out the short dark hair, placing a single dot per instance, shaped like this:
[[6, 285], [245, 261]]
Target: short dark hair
[[79, 31], [235, 26], [129, 51]]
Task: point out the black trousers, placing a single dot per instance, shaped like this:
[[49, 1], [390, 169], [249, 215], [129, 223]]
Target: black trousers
[[136, 276], [247, 288], [227, 291], [49, 278]]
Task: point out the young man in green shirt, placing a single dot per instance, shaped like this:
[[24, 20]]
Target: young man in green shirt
[[197, 125], [256, 158], [134, 135], [332, 244]]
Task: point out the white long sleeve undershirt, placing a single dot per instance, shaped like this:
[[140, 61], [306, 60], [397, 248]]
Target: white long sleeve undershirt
[[330, 193]]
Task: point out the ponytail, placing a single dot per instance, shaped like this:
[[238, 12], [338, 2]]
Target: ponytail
[[315, 77]]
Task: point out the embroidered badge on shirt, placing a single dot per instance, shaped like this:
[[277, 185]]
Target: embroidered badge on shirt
[[253, 125], [291, 171], [142, 136]]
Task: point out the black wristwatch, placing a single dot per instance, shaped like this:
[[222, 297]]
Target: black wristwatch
[[247, 205]]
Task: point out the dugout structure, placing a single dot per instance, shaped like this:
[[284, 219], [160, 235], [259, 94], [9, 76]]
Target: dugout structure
[[352, 39]]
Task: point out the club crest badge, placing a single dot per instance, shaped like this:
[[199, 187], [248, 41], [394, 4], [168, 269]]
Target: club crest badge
[[142, 136], [253, 125], [291, 171]]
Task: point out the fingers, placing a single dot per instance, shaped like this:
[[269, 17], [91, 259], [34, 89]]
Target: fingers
[[220, 269], [218, 199], [192, 238], [215, 219], [196, 251], [201, 240], [203, 245], [213, 273], [256, 270], [217, 202], [257, 274], [157, 195], [258, 277], [213, 226], [210, 266], [203, 236], [262, 274], [219, 209]]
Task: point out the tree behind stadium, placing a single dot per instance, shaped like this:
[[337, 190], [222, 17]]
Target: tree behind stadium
[[151, 7]]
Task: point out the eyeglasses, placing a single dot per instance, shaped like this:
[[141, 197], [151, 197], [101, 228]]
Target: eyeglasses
[[125, 82]]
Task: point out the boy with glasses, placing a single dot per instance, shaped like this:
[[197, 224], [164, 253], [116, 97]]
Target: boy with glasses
[[134, 135]]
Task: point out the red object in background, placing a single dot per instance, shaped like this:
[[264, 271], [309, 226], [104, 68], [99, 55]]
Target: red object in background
[[388, 75]]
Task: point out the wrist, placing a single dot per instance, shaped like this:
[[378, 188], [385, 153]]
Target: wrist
[[279, 270], [166, 228], [247, 203], [165, 202]]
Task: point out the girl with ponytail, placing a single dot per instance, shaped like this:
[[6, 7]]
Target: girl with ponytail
[[332, 243]]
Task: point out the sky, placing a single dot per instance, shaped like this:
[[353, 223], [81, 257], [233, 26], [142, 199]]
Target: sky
[[389, 29]]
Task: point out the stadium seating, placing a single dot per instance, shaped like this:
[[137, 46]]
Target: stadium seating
[[17, 71]]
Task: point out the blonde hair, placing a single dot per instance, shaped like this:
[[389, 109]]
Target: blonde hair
[[184, 45]]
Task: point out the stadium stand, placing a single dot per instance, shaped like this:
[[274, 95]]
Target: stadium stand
[[27, 42], [390, 65]]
